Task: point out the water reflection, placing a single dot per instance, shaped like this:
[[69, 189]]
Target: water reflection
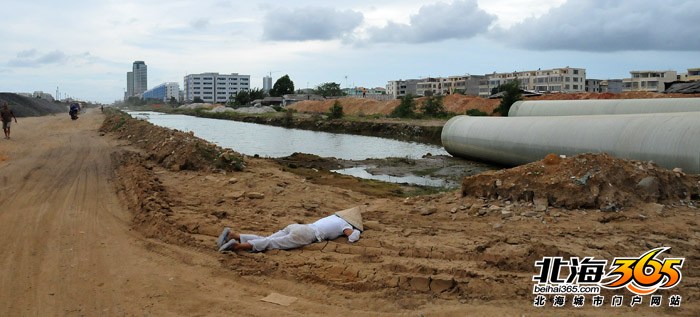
[[270, 141]]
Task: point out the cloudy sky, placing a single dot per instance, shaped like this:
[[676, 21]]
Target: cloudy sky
[[86, 47]]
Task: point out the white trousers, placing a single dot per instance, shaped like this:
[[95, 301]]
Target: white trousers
[[292, 236]]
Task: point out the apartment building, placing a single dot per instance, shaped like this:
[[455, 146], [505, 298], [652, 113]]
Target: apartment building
[[214, 87], [565, 79], [400, 88], [693, 74], [648, 80], [467, 84], [163, 92]]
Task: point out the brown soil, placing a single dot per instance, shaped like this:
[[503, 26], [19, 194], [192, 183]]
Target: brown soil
[[69, 249], [584, 181], [461, 103]]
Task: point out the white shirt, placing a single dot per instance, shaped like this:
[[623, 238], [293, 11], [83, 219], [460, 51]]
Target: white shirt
[[332, 227]]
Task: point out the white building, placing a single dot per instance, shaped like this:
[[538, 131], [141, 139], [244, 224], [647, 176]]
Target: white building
[[648, 80], [213, 87], [400, 88], [565, 79], [467, 84]]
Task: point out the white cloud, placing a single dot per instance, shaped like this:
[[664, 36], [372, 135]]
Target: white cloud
[[309, 23], [436, 22], [611, 25]]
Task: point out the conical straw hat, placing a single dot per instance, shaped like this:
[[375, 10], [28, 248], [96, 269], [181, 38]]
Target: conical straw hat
[[353, 216]]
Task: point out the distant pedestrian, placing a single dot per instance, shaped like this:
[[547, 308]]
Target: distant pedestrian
[[7, 116]]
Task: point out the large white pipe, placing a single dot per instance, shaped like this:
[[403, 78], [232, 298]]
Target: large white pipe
[[669, 139], [602, 106]]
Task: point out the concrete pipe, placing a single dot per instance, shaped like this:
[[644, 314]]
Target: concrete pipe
[[669, 139], [602, 106]]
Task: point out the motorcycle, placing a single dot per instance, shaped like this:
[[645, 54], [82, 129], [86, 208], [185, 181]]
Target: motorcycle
[[73, 112]]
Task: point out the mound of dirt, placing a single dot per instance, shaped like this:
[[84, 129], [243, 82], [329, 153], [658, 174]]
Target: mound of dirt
[[147, 198], [353, 106], [23, 106], [584, 181], [172, 149], [460, 103], [357, 106]]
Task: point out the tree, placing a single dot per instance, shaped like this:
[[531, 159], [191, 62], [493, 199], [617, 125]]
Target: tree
[[172, 102], [336, 111], [241, 98], [282, 86], [511, 94], [433, 107], [257, 93], [197, 100], [406, 109], [329, 90]]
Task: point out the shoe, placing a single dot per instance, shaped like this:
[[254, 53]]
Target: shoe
[[223, 237], [228, 245]]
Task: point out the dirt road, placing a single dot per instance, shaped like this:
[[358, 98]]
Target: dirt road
[[73, 247], [67, 245]]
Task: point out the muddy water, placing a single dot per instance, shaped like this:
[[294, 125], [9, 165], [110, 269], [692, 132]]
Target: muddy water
[[270, 141]]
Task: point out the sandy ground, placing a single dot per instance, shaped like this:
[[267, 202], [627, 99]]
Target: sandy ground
[[90, 228]]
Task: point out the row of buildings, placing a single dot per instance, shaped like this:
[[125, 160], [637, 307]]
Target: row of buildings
[[209, 87], [557, 80], [218, 88]]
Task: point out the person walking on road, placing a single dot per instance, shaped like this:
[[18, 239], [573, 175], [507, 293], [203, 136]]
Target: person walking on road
[[7, 116]]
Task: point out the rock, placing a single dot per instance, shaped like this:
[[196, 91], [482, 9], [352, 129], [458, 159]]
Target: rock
[[677, 170], [408, 201], [210, 178], [428, 211], [440, 285], [506, 214], [494, 208], [498, 225], [453, 210], [465, 207], [235, 195], [499, 183], [419, 283], [540, 204], [650, 185], [474, 209], [610, 207], [255, 195], [232, 180], [482, 212]]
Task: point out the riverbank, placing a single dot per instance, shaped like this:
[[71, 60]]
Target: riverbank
[[422, 131]]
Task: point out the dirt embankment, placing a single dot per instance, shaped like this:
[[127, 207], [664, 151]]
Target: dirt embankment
[[459, 104], [23, 106], [172, 149], [446, 253]]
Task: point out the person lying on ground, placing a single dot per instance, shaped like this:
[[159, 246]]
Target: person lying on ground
[[343, 223]]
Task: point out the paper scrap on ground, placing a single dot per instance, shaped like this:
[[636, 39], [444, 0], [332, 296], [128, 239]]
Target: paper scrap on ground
[[279, 299]]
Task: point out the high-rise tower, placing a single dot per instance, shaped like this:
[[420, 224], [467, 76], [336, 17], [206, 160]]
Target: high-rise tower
[[140, 78]]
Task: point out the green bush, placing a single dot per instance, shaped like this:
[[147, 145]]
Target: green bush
[[433, 107], [406, 109], [476, 113], [336, 111]]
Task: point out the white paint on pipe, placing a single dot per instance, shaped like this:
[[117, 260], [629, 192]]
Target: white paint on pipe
[[669, 139]]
